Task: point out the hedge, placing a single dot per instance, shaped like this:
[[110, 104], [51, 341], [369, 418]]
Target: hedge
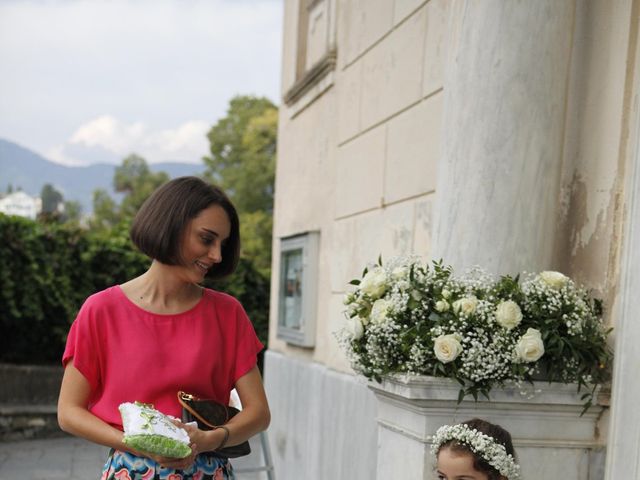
[[47, 270]]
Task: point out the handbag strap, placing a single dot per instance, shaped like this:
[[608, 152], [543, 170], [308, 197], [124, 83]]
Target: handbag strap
[[183, 398]]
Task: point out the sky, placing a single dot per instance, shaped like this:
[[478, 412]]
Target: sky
[[91, 81]]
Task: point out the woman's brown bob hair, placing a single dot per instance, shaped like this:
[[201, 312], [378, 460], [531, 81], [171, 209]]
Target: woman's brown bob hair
[[159, 225]]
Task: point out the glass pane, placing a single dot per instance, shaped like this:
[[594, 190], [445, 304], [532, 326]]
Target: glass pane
[[291, 289]]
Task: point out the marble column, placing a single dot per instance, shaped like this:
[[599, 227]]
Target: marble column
[[505, 94]]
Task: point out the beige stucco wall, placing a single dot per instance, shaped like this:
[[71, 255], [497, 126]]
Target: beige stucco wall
[[360, 158], [359, 163]]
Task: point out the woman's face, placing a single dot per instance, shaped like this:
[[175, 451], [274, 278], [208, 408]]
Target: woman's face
[[454, 465], [202, 243]]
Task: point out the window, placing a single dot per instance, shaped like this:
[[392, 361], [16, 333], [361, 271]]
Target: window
[[316, 52], [298, 289]]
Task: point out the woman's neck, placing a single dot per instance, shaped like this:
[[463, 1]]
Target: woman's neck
[[160, 290]]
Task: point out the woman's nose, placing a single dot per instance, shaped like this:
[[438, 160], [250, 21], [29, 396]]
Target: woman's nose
[[215, 254]]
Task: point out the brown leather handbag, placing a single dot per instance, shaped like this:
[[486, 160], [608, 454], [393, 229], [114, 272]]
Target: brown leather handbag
[[210, 415]]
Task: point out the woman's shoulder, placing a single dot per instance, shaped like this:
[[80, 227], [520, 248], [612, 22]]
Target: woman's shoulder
[[104, 298], [222, 299]]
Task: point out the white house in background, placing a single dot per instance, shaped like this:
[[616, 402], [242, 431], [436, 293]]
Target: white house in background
[[503, 134], [21, 204]]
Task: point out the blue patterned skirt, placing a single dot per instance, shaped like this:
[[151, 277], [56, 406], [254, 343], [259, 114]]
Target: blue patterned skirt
[[126, 466]]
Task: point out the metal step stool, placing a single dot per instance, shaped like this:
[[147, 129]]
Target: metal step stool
[[266, 456]]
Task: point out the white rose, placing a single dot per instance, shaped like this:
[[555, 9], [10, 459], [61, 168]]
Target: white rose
[[442, 306], [466, 305], [400, 273], [380, 310], [447, 348], [374, 283], [446, 293], [530, 347], [354, 328], [555, 280], [508, 314]]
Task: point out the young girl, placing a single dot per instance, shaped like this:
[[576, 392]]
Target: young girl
[[474, 450], [162, 332]]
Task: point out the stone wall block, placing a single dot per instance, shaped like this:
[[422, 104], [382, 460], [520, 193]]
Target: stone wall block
[[359, 173], [413, 150], [392, 76]]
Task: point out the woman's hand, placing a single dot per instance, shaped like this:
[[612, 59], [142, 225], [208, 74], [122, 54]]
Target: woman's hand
[[201, 440]]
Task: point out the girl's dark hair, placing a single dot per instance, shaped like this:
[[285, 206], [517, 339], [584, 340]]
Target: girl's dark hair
[[159, 226], [499, 434]]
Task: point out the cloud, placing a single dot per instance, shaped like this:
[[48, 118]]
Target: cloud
[[105, 139]]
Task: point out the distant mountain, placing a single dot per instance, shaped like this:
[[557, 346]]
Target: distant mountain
[[25, 169]]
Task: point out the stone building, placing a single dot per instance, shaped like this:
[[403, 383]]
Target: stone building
[[498, 133]]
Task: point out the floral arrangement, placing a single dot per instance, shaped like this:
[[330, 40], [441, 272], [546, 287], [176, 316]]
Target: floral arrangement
[[494, 453], [409, 317]]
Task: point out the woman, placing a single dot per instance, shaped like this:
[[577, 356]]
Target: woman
[[162, 332], [474, 450]]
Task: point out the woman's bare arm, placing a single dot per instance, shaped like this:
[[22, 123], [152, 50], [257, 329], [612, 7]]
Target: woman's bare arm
[[76, 419]]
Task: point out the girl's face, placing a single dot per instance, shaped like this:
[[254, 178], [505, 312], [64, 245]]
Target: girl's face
[[203, 240], [454, 465]]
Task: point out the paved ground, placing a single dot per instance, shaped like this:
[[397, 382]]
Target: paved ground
[[74, 459]]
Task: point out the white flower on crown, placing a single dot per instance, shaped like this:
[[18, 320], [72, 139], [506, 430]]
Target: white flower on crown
[[508, 314], [494, 453], [374, 282]]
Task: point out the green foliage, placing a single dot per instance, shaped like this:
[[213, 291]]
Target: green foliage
[[49, 269], [51, 198], [242, 162], [481, 331], [251, 288], [136, 181], [38, 294]]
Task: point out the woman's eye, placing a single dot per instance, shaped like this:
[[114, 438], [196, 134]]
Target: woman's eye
[[207, 240]]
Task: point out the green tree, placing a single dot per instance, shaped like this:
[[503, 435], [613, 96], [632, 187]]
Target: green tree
[[51, 198], [72, 211], [242, 162], [136, 181]]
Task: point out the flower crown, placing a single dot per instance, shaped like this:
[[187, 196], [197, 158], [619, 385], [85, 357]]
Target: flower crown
[[494, 453]]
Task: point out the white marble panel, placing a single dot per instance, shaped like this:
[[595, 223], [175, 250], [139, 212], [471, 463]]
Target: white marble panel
[[392, 76], [423, 227], [397, 446], [505, 97], [435, 47], [413, 150], [361, 23], [403, 8], [359, 173], [322, 422], [545, 429], [349, 87], [595, 119]]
